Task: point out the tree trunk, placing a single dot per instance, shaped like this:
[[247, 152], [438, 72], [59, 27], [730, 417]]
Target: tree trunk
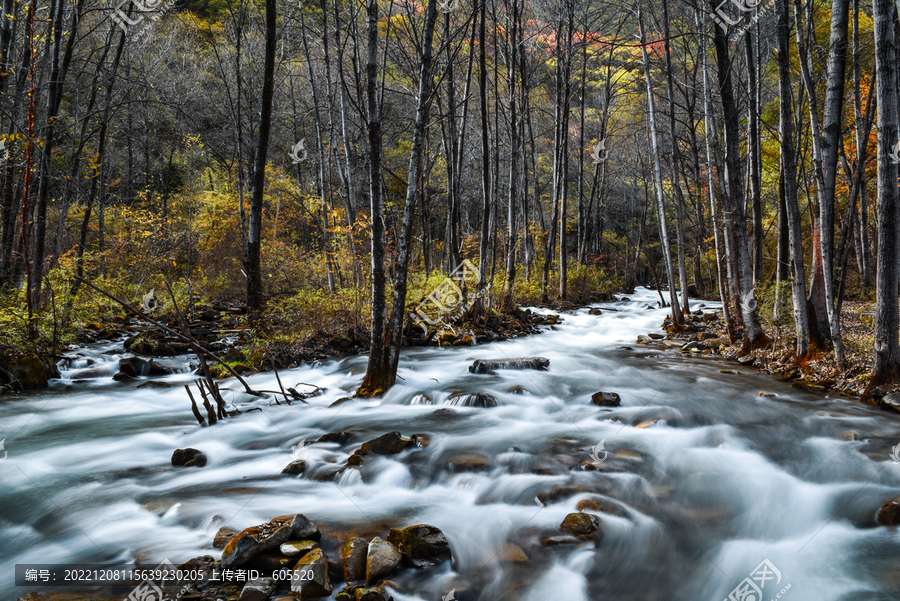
[[887, 319], [660, 203]]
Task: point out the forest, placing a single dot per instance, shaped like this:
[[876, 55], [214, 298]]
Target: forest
[[320, 167], [407, 300]]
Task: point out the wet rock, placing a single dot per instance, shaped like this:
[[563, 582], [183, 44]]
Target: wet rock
[[472, 399], [24, 373], [447, 338], [747, 360], [338, 437], [517, 389], [188, 458], [563, 492], [643, 339], [153, 384], [294, 468], [422, 545], [581, 524], [296, 548], [388, 444], [382, 559], [850, 435], [487, 366], [369, 594], [554, 541], [353, 559], [511, 553], [655, 336], [469, 462], [594, 505], [890, 401], [122, 377], [889, 514], [595, 311], [256, 540], [310, 578], [606, 399], [694, 346], [258, 590], [222, 537]]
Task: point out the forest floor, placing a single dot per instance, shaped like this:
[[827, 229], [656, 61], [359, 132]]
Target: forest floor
[[821, 372]]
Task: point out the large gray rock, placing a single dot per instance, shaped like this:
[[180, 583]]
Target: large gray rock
[[487, 366], [310, 577], [382, 559], [353, 559], [258, 539]]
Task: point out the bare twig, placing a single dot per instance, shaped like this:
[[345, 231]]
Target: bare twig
[[194, 408], [189, 339]]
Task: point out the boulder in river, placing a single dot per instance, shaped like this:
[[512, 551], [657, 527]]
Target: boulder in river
[[188, 458], [382, 559], [310, 578], [253, 541], [388, 444], [222, 537], [563, 492], [889, 514], [353, 559], [582, 525], [487, 366], [422, 545], [294, 468], [472, 399], [606, 399]]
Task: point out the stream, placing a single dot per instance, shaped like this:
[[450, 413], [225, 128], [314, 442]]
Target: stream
[[723, 481]]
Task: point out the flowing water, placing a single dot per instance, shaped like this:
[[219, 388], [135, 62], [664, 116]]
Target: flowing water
[[723, 480]]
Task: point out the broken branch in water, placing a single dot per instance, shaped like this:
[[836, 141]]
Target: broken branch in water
[[189, 339], [194, 408]]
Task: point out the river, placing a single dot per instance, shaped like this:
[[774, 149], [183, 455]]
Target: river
[[725, 480]]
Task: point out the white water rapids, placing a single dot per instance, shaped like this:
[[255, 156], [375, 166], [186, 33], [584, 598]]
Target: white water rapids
[[723, 481]]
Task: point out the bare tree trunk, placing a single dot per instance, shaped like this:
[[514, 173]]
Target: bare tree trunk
[[512, 225], [676, 167], [754, 156], [660, 203], [862, 238], [753, 334], [254, 237], [376, 380], [789, 168], [887, 318], [484, 249], [831, 140]]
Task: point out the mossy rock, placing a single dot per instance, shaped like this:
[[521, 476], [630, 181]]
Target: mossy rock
[[24, 373], [421, 545]]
